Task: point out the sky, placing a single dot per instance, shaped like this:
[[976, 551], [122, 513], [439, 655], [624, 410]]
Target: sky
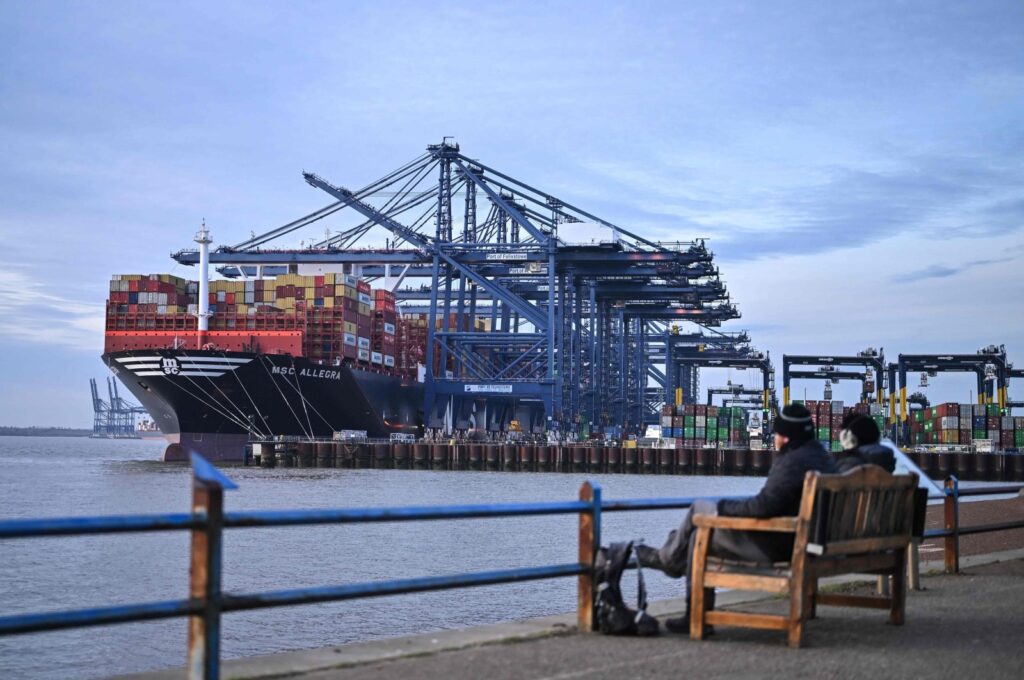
[[858, 168]]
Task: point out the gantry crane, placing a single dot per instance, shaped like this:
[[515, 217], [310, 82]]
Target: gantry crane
[[576, 307]]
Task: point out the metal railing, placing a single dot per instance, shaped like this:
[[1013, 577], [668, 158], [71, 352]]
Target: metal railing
[[207, 522]]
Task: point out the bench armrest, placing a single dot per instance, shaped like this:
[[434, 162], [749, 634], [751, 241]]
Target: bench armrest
[[780, 524]]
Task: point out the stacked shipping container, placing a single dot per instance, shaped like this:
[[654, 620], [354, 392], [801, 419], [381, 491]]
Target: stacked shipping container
[[332, 318], [697, 425], [964, 424]]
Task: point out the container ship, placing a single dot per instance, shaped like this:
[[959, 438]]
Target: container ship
[[216, 363]]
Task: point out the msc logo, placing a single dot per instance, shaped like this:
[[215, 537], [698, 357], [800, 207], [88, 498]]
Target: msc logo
[[170, 366]]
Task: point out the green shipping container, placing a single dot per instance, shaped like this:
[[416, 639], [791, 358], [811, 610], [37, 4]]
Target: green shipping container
[[712, 423], [689, 432], [836, 446], [978, 434], [993, 410], [1018, 438], [723, 434], [690, 421], [823, 434], [712, 435]]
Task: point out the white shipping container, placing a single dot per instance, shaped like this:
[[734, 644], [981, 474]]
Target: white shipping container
[[161, 298], [365, 299], [193, 309], [222, 296], [1006, 422], [701, 421], [837, 407], [376, 357], [389, 360], [389, 328], [666, 421], [349, 339], [250, 297], [949, 423], [364, 343], [364, 355], [350, 281], [161, 309]]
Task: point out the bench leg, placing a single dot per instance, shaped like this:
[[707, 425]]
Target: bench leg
[[698, 605], [797, 598], [811, 600], [899, 589]]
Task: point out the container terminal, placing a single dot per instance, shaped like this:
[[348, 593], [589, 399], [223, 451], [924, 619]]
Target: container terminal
[[492, 312]]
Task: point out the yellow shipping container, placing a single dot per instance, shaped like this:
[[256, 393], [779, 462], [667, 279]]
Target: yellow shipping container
[[329, 279], [351, 328], [351, 293], [328, 302], [364, 309]]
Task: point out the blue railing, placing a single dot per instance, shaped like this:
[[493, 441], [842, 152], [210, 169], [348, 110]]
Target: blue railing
[[207, 521]]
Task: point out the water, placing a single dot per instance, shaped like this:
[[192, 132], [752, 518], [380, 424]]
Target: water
[[48, 477]]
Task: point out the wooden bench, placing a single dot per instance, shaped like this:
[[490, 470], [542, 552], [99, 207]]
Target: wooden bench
[[859, 522]]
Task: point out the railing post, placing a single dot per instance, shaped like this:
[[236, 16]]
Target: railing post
[[208, 486], [951, 551], [589, 542]]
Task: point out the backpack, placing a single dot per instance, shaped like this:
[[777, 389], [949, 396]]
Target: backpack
[[613, 616]]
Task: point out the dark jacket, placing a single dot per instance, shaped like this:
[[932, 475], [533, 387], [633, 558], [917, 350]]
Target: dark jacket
[[780, 497], [869, 454]]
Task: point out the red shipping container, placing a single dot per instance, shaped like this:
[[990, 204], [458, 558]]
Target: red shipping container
[[300, 294], [318, 282], [133, 286], [363, 286]]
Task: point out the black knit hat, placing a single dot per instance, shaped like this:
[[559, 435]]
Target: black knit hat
[[858, 430], [795, 422]]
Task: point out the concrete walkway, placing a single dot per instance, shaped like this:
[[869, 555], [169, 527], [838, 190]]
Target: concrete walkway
[[968, 625]]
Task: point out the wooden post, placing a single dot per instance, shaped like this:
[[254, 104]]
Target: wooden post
[[589, 542], [208, 485], [951, 552]]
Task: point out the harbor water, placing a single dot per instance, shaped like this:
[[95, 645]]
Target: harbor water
[[50, 477]]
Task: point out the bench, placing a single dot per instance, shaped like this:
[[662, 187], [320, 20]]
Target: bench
[[859, 522]]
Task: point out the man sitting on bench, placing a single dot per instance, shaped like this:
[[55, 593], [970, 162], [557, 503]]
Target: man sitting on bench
[[799, 452]]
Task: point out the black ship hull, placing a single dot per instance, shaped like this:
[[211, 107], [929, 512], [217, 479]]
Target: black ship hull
[[213, 402]]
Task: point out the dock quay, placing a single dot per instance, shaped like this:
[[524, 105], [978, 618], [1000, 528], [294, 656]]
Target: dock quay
[[614, 458]]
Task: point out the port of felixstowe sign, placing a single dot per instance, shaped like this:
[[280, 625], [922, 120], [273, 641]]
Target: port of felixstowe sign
[[490, 389]]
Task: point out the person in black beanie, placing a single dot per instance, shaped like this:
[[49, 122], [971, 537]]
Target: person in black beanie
[[860, 438], [799, 452]]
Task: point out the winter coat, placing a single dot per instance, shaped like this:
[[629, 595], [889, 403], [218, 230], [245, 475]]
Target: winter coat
[[780, 497], [868, 454]]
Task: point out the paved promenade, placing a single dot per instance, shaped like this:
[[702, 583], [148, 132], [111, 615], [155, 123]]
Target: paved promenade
[[963, 626], [958, 626]]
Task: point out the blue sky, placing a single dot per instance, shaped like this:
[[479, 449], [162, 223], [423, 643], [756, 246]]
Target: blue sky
[[858, 167]]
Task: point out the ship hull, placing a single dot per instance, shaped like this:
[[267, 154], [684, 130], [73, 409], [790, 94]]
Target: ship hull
[[213, 402]]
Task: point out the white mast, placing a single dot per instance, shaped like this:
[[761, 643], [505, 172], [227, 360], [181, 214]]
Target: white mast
[[203, 239]]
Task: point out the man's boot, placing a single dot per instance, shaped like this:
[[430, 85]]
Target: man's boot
[[646, 556]]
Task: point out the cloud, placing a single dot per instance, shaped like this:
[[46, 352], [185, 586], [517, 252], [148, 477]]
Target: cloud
[[942, 271], [30, 313]]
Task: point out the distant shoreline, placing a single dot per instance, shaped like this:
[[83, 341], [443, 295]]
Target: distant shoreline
[[43, 432]]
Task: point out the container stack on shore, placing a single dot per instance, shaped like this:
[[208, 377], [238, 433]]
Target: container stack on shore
[[828, 417], [697, 425], [966, 424]]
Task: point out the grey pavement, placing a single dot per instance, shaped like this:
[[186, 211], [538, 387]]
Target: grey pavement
[[959, 626]]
